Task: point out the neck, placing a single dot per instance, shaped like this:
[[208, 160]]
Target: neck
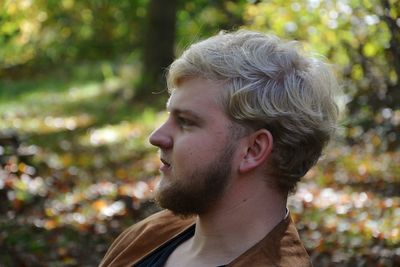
[[244, 216]]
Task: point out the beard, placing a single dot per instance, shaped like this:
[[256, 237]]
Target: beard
[[199, 190]]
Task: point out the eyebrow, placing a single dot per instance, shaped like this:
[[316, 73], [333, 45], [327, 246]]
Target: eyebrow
[[190, 113]]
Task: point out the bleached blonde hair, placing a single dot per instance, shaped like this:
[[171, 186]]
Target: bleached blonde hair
[[268, 83]]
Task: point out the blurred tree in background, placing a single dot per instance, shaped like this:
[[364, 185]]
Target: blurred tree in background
[[158, 50], [76, 82]]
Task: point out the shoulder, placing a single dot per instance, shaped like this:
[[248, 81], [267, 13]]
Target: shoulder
[[143, 237]]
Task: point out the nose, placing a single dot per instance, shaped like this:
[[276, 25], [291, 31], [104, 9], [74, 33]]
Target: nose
[[161, 138]]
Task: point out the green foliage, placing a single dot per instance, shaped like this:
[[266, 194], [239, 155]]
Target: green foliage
[[359, 37], [202, 18], [59, 32]]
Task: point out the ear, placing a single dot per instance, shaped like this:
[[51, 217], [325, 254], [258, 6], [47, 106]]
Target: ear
[[259, 147]]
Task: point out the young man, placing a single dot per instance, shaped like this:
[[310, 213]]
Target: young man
[[248, 117]]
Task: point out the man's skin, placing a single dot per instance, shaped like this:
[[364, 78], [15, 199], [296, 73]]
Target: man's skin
[[195, 133]]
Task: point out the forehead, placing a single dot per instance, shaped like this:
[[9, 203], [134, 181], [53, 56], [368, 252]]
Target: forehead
[[198, 95]]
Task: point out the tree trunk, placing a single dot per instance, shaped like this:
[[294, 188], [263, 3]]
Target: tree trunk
[[158, 50]]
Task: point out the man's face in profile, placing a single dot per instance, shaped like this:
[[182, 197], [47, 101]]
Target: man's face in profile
[[196, 148]]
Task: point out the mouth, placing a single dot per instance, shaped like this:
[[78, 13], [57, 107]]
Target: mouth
[[165, 163]]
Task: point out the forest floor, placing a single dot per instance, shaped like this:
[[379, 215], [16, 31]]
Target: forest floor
[[83, 170]]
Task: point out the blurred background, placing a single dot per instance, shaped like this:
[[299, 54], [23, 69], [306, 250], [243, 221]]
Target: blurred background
[[81, 87]]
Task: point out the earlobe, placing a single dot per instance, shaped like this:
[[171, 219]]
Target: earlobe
[[259, 148]]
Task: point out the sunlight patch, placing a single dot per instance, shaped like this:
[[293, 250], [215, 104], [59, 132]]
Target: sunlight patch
[[112, 134], [48, 124]]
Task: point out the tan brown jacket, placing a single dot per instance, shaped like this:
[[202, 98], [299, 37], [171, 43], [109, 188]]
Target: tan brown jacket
[[280, 247]]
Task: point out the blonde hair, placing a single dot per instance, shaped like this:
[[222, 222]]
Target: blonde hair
[[268, 84]]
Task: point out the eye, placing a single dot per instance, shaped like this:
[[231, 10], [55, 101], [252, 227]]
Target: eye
[[183, 122]]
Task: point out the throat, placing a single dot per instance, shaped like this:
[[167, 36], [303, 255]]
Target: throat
[[188, 255]]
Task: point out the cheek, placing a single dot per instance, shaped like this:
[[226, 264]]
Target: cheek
[[194, 150]]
